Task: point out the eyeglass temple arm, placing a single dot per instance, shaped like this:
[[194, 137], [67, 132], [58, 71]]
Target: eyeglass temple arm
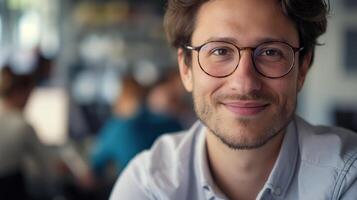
[[191, 47], [299, 49]]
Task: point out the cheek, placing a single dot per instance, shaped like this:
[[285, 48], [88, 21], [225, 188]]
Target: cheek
[[205, 86], [286, 92]]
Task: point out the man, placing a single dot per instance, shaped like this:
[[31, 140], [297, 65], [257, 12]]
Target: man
[[245, 62]]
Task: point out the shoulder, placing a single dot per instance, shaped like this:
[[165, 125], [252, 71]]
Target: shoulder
[[161, 170], [330, 153], [334, 144]]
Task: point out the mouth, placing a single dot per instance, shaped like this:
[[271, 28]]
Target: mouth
[[245, 108]]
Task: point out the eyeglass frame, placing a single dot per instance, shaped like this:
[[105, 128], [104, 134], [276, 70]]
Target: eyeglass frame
[[198, 48]]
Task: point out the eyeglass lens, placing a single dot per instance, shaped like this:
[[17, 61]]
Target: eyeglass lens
[[272, 59]]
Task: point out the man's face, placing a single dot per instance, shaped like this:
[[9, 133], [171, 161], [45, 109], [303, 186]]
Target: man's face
[[245, 110]]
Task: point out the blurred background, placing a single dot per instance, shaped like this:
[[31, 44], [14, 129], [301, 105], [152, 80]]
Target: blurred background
[[82, 51]]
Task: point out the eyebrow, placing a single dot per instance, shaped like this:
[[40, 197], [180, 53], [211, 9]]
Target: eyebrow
[[223, 39], [258, 41]]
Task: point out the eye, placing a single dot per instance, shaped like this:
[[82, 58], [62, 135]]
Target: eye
[[220, 51], [270, 52]]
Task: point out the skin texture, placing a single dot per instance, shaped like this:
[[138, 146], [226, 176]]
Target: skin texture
[[246, 114]]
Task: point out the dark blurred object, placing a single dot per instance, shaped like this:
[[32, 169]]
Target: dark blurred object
[[346, 118], [351, 50], [43, 69], [12, 85], [13, 187], [350, 3]]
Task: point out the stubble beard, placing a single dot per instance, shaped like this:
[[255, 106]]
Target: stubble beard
[[237, 139]]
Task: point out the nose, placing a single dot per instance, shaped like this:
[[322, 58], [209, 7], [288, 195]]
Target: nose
[[245, 79]]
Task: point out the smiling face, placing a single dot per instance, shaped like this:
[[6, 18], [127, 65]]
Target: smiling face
[[245, 110]]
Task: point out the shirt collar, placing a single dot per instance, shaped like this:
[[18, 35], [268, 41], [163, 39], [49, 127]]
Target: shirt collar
[[279, 179], [202, 168]]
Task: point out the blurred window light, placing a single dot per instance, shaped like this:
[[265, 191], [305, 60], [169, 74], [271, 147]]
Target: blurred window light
[[50, 42], [85, 87], [23, 4], [29, 30], [97, 48], [47, 111], [109, 86], [145, 72], [22, 61], [50, 35], [15, 4]]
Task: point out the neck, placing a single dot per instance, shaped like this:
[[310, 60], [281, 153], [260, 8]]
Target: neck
[[241, 174]]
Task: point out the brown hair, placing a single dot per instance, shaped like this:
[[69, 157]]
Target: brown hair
[[309, 17], [11, 82]]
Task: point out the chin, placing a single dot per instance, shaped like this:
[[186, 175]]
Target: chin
[[246, 138], [245, 132]]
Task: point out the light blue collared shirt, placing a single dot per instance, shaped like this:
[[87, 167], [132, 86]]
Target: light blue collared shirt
[[314, 163]]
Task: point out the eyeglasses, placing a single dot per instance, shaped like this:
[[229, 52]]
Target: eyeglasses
[[270, 59]]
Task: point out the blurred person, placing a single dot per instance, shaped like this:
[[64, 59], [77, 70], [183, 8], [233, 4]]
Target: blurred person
[[17, 137], [168, 98], [131, 129], [245, 63]]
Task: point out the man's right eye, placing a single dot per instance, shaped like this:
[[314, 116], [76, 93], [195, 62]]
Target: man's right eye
[[220, 51]]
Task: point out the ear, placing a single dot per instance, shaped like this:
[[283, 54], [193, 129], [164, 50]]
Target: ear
[[303, 70], [185, 71]]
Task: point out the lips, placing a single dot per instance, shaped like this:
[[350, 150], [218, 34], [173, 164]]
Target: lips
[[245, 108]]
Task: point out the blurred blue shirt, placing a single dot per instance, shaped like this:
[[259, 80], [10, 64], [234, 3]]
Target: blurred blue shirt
[[121, 139]]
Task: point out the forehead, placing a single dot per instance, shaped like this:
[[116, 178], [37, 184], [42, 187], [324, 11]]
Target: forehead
[[247, 22]]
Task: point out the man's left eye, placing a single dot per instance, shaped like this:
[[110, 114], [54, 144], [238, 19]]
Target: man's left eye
[[270, 52]]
